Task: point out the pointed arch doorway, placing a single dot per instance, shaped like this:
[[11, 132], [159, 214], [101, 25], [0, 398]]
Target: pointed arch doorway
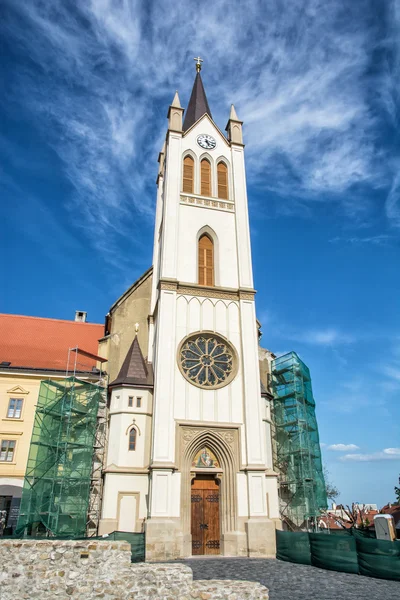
[[208, 463]]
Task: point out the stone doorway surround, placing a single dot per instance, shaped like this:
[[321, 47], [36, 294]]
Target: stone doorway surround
[[223, 441]]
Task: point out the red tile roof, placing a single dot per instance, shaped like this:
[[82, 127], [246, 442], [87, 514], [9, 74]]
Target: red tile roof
[[39, 343]]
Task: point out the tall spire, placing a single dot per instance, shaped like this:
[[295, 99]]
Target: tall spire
[[198, 105]]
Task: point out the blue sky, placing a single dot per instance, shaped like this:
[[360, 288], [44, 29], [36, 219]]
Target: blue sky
[[85, 92]]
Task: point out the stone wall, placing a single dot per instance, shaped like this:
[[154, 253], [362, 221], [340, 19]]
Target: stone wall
[[84, 570]]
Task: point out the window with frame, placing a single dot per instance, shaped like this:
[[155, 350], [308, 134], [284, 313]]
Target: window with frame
[[205, 179], [138, 402], [206, 261], [130, 401], [14, 408], [132, 439], [222, 176], [188, 175], [7, 450]]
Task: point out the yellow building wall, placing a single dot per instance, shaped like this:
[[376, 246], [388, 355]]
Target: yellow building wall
[[20, 430]]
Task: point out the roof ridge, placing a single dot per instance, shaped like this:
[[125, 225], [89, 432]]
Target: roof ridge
[[49, 319]]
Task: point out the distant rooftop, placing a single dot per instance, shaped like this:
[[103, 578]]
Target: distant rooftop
[[40, 343]]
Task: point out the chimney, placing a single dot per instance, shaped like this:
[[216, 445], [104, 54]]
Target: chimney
[[80, 316]]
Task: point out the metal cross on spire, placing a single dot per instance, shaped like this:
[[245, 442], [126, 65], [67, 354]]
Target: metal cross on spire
[[198, 63]]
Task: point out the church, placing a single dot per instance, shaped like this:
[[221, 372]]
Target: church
[[189, 449]]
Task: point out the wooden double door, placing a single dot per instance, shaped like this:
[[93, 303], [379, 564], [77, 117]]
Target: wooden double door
[[205, 501]]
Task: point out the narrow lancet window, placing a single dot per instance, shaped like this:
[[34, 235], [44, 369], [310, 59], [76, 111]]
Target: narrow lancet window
[[222, 172], [188, 175], [206, 261], [132, 439], [205, 169]]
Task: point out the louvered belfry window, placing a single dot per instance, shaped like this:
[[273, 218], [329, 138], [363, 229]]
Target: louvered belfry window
[[206, 261], [188, 175], [222, 172], [205, 169]]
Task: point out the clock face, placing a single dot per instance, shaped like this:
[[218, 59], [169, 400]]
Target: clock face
[[206, 141]]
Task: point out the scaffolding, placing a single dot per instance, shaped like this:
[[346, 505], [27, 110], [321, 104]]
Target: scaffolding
[[297, 453], [62, 485]]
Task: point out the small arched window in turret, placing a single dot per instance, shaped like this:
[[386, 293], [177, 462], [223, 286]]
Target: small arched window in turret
[[205, 179], [132, 439], [206, 261], [188, 175], [222, 172]]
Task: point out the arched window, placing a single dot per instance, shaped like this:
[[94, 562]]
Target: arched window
[[206, 260], [132, 439], [188, 175], [222, 172], [205, 179]]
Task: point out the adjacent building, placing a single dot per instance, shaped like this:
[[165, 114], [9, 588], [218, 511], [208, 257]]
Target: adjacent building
[[32, 350]]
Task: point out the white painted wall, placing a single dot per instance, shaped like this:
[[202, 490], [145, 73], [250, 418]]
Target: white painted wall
[[117, 485], [178, 315], [122, 419]]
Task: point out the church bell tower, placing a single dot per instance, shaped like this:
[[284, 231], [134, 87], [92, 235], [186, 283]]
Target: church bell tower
[[212, 489]]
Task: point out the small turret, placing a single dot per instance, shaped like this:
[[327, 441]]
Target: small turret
[[175, 113], [234, 128]]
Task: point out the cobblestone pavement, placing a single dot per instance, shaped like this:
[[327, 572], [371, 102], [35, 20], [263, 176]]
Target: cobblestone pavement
[[288, 581]]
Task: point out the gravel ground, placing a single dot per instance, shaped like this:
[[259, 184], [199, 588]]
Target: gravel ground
[[288, 581]]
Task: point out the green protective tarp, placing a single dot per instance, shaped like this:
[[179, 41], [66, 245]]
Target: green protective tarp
[[293, 547], [363, 533], [379, 558], [334, 552], [137, 542]]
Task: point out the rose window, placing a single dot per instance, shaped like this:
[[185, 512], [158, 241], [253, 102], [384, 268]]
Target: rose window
[[207, 360]]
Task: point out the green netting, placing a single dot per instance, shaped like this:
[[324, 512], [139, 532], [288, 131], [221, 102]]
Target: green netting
[[349, 552], [334, 552], [362, 533], [297, 453], [379, 558], [57, 481], [136, 540], [293, 547]]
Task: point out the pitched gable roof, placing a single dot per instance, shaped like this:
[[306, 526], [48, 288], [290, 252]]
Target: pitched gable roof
[[198, 104], [135, 370], [39, 343]]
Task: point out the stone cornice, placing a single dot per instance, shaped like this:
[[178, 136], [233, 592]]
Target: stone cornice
[[128, 470], [193, 289], [160, 466]]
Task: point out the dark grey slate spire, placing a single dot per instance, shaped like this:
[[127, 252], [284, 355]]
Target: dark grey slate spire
[[134, 371], [198, 105]]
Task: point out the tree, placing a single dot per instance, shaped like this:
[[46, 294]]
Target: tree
[[354, 516], [331, 490], [397, 492]]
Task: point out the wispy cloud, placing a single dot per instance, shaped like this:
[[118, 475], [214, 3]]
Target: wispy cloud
[[343, 447], [323, 337], [376, 240], [100, 76], [386, 454]]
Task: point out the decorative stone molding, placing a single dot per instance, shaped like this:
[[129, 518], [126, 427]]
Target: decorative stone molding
[[213, 203], [224, 443], [229, 351], [194, 289], [188, 433], [246, 295], [168, 285], [206, 292]]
